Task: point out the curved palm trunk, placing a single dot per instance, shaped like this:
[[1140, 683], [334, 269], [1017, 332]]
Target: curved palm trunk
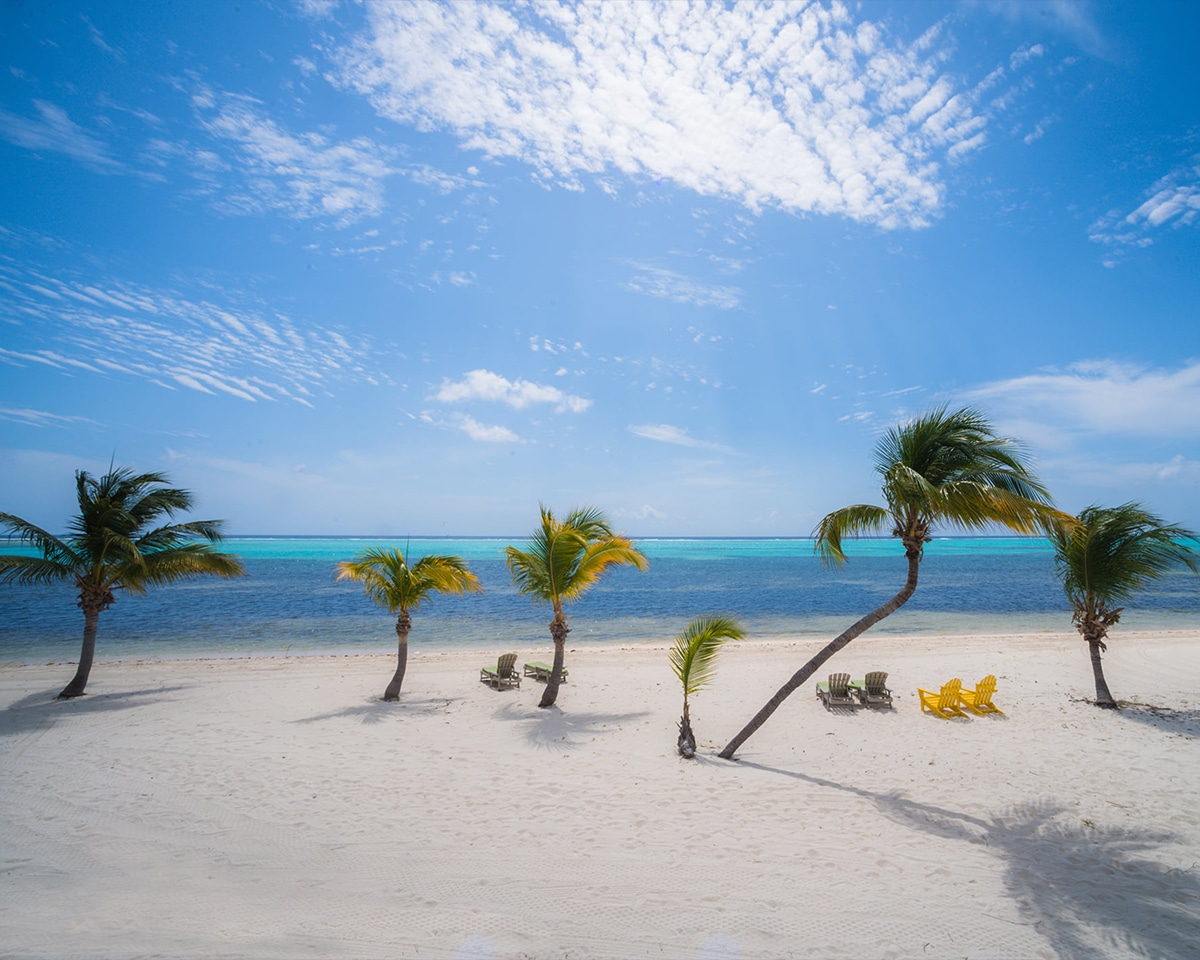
[[558, 631], [912, 550], [403, 625], [91, 621]]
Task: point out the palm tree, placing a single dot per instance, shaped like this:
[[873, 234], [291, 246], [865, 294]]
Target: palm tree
[[393, 584], [1106, 556], [694, 660], [561, 560], [946, 467], [113, 545]]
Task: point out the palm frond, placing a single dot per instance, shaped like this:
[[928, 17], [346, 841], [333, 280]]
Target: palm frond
[[1111, 553], [855, 521], [53, 549], [391, 582], [694, 654], [30, 570]]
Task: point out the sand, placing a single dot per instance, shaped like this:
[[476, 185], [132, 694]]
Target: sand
[[275, 807]]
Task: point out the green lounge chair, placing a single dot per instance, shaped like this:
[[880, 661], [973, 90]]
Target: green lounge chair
[[835, 692], [872, 690], [503, 674], [541, 671]]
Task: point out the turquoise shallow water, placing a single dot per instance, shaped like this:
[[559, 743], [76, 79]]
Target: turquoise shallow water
[[290, 603]]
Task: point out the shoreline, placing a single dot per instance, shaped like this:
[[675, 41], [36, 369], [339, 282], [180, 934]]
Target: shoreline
[[275, 807]]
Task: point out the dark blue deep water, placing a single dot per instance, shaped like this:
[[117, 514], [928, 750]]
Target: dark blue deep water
[[289, 601]]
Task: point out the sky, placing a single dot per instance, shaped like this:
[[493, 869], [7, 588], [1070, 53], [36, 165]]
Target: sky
[[396, 269]]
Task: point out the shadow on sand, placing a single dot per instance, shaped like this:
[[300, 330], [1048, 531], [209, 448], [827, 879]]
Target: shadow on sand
[[376, 709], [1167, 719], [1091, 891], [552, 729], [39, 710]]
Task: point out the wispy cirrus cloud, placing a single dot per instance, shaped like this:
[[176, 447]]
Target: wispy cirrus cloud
[[116, 328], [669, 285], [1173, 200], [772, 105], [52, 129], [39, 418], [666, 433], [493, 388]]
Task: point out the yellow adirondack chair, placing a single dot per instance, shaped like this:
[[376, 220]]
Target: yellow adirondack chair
[[979, 700], [945, 703]]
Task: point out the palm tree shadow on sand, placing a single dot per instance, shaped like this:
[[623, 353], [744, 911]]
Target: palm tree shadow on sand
[[38, 710], [1092, 891], [377, 710], [552, 729]]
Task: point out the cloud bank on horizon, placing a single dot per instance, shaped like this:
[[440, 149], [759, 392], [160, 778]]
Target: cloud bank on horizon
[[684, 260]]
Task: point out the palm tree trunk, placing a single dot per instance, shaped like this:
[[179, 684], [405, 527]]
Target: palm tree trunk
[[912, 550], [91, 621], [1104, 699], [403, 625], [687, 739], [559, 631]]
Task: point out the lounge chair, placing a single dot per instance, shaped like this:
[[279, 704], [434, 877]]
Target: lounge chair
[[835, 692], [872, 691], [943, 704], [541, 671], [503, 674], [979, 700]]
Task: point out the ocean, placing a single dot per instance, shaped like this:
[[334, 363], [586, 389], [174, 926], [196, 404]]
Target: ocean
[[289, 602]]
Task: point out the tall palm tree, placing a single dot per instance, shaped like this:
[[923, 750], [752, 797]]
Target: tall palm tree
[[561, 560], [694, 660], [1104, 558], [112, 544], [398, 587], [944, 467]]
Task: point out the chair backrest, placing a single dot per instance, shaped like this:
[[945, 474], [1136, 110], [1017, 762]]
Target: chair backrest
[[984, 690], [506, 664], [949, 696], [875, 682], [839, 684]]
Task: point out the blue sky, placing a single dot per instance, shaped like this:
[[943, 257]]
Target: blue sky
[[411, 269]]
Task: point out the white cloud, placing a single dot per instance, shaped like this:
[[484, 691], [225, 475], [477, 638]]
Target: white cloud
[[1173, 199], [485, 433], [668, 285], [1103, 397], [39, 418], [173, 340], [666, 433], [306, 174], [491, 387], [53, 130], [773, 105]]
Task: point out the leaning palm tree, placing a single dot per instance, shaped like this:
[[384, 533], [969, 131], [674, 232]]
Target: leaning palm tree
[[694, 660], [1104, 558], [113, 545], [561, 560], [395, 585], [944, 467]]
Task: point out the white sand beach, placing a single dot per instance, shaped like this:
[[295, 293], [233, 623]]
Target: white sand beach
[[277, 808]]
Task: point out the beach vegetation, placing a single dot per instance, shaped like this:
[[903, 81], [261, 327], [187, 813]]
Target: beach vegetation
[[694, 661], [400, 587], [561, 561], [116, 542], [942, 468], [1107, 556]]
